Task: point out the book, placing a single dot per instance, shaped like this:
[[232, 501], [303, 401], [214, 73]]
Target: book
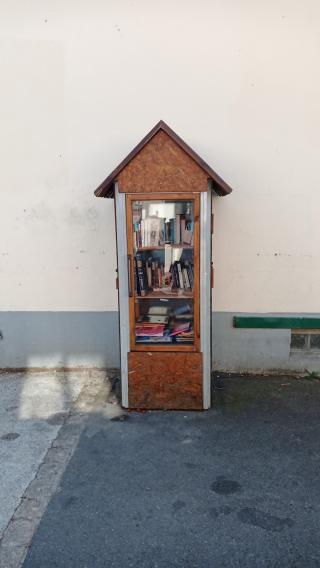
[[182, 310], [186, 231], [179, 328], [153, 231], [141, 285], [189, 268], [181, 286], [158, 310], [151, 274], [186, 279], [169, 231], [149, 329], [177, 236], [142, 229], [149, 231], [158, 319], [147, 339]]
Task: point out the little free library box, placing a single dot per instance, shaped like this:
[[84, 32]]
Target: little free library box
[[162, 193]]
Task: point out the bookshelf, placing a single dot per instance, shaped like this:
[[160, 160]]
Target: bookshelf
[[162, 193], [162, 237]]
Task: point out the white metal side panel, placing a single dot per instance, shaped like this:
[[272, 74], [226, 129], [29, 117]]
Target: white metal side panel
[[205, 293], [121, 224]]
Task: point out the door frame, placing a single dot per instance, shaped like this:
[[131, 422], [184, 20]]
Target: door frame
[[195, 197]]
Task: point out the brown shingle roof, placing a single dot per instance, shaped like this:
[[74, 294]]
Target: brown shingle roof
[[106, 188]]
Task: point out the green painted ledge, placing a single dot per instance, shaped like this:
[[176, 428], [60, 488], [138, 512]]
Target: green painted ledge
[[276, 322]]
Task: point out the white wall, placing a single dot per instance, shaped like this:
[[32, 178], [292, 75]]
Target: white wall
[[82, 83]]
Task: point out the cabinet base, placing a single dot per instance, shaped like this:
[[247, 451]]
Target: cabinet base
[[159, 380]]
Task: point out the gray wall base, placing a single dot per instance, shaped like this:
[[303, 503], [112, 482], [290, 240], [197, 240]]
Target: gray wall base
[[91, 339], [255, 350], [59, 339]]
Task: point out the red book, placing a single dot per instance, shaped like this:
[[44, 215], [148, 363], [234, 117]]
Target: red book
[[180, 328]]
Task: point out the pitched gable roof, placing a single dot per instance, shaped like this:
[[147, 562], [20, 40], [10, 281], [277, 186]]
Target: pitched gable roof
[[106, 188]]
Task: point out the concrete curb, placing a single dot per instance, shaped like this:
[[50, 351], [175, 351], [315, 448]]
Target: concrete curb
[[19, 532]]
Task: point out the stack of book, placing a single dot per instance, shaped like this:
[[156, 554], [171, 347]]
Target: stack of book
[[183, 332], [185, 336], [182, 275], [150, 276], [158, 333], [179, 328], [157, 326], [148, 329], [156, 231], [183, 324], [179, 230], [149, 232], [152, 333]]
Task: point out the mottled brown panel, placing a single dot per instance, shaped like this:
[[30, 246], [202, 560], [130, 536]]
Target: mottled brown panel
[[162, 166], [165, 380]]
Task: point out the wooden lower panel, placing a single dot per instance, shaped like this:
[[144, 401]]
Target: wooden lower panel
[[165, 380]]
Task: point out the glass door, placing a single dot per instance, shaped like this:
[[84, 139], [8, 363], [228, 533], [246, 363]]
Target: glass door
[[163, 270]]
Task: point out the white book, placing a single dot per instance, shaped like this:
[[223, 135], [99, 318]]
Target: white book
[[149, 275], [152, 231], [158, 319], [142, 233], [157, 310]]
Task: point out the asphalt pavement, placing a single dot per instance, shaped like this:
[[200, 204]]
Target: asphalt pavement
[[236, 486]]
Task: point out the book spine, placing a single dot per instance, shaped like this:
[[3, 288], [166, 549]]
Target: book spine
[[149, 273], [167, 232], [162, 237], [141, 275], [175, 276], [186, 279], [163, 277], [171, 230], [188, 233], [182, 229], [190, 275], [153, 273], [146, 233], [136, 280], [177, 230], [181, 286]]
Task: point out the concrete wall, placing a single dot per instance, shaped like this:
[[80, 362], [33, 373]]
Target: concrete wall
[[83, 83], [257, 350], [91, 339], [59, 339]]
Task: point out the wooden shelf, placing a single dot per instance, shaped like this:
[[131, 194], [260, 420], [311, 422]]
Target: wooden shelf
[[162, 295], [162, 247]]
